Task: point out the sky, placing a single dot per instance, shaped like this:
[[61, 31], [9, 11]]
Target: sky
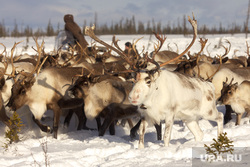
[[38, 13]]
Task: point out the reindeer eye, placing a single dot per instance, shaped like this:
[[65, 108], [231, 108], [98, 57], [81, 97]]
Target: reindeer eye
[[148, 82], [229, 92], [22, 92]]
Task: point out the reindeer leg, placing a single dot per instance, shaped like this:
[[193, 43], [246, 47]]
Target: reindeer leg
[[248, 112], [44, 128], [135, 129], [68, 118], [169, 121], [107, 123], [195, 129], [57, 112], [239, 116], [37, 111], [112, 128], [123, 122], [98, 122], [227, 116], [158, 130], [84, 120], [219, 120], [130, 123], [79, 111], [142, 129], [81, 118], [214, 115]]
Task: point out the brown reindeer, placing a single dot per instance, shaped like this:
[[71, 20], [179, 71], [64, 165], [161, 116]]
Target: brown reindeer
[[237, 96], [42, 92]]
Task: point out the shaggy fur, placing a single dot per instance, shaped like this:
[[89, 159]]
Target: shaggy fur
[[168, 96]]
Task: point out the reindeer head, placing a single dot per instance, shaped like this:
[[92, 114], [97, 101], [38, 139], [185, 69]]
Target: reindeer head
[[144, 83], [21, 87], [147, 80], [187, 66], [19, 92], [227, 92], [79, 86]]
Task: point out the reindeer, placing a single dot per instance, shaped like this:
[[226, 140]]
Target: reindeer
[[104, 96], [239, 75], [225, 60], [237, 96], [6, 82], [166, 95], [216, 73], [11, 66], [198, 67], [42, 92]]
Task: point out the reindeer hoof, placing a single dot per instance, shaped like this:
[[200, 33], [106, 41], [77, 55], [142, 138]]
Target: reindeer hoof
[[49, 130]]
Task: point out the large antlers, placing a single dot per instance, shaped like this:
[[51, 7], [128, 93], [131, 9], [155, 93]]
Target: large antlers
[[226, 49], [90, 32], [194, 25], [37, 67]]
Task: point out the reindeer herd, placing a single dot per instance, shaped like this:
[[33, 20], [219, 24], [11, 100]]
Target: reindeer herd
[[138, 88]]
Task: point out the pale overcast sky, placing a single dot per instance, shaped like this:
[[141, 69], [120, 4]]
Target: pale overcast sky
[[37, 13]]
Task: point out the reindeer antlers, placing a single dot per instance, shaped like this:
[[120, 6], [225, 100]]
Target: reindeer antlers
[[226, 49], [193, 22], [90, 32], [160, 43]]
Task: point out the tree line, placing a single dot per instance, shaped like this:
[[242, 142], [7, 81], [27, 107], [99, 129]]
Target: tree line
[[126, 26]]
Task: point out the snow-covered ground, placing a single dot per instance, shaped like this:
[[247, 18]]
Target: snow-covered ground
[[86, 148]]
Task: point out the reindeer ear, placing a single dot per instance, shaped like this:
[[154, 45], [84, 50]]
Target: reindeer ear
[[225, 60], [33, 80], [94, 79], [152, 72], [235, 85], [193, 63], [28, 83]]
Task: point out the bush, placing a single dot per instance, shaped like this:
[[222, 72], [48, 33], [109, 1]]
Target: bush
[[220, 146], [11, 135]]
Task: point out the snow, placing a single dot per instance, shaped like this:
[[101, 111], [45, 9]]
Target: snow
[[85, 148]]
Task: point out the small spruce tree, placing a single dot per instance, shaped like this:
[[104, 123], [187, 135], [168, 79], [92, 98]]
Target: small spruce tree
[[220, 146], [11, 135]]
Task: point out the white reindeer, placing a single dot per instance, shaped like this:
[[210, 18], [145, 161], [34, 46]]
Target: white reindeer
[[166, 95]]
